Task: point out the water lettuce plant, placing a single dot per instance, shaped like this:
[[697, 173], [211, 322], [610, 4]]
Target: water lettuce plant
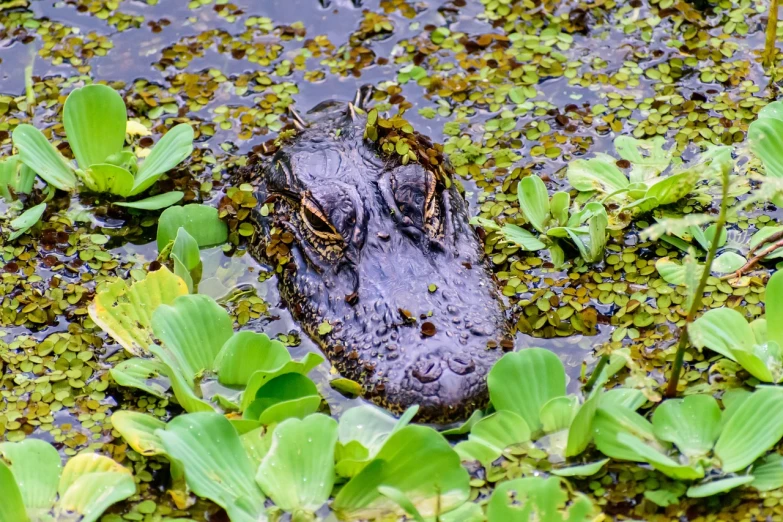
[[26, 220], [647, 184], [293, 464], [691, 438], [95, 121], [15, 178], [756, 346], [37, 488], [528, 391], [765, 137], [552, 218], [537, 498], [199, 356]]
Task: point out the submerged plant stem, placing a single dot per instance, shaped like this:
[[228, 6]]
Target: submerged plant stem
[[772, 28], [674, 378]]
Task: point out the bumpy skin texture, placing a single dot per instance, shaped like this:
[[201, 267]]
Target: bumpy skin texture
[[389, 255]]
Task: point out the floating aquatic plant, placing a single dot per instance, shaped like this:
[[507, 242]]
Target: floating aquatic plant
[[36, 487], [294, 465], [553, 220], [646, 186], [95, 121], [706, 438]]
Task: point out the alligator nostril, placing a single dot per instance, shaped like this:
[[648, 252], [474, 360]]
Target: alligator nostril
[[427, 371], [462, 365]]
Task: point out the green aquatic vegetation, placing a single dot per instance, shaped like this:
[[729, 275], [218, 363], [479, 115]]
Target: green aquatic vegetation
[[709, 442], [537, 499], [293, 463], [361, 434], [765, 137], [15, 178], [757, 346], [647, 185], [200, 357], [201, 222], [694, 237], [96, 121], [552, 218], [694, 277], [37, 488], [186, 259], [26, 220], [527, 390]]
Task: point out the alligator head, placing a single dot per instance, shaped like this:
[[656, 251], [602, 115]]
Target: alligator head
[[378, 263]]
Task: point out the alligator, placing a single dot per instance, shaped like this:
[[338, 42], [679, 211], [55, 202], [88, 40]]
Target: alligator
[[378, 263]]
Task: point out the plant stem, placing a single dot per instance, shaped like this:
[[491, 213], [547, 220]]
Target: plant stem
[[772, 28], [599, 367], [674, 378]]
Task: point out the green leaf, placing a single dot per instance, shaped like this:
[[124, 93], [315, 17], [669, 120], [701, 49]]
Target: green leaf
[[718, 486], [262, 377], [286, 396], [156, 202], [672, 272], [247, 352], [41, 156], [659, 461], [761, 237], [692, 424], [765, 140], [138, 430], [764, 362], [624, 397], [91, 483], [23, 223], [402, 500], [35, 465], [298, 471], [557, 413], [148, 375], [524, 381], [105, 177], [200, 221], [534, 201], [496, 432], [186, 249], [675, 187], [722, 330], [217, 467], [415, 460], [583, 470], [94, 118], [610, 422], [669, 494], [12, 507], [768, 473], [728, 262], [580, 433], [643, 167], [596, 174], [125, 312], [172, 149], [774, 308], [522, 238], [536, 498], [755, 426], [559, 205], [193, 329]]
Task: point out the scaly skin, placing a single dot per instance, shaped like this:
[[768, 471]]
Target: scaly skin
[[380, 267]]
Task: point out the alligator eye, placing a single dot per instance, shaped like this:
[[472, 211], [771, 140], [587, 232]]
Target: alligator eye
[[416, 196], [317, 222]]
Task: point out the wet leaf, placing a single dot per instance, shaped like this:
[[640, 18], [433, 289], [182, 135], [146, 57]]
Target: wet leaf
[[173, 148], [298, 471], [95, 119], [200, 221], [36, 152], [27, 220], [156, 202]]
